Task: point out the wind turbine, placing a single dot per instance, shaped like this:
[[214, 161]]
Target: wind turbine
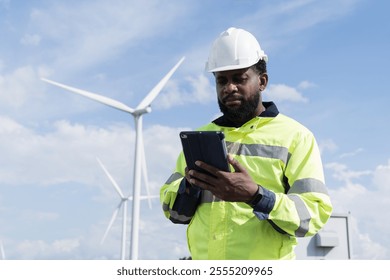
[[122, 203], [143, 107]]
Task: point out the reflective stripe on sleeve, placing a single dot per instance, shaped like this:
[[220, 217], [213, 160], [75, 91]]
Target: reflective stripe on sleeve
[[175, 176], [208, 197], [267, 151], [175, 216], [308, 185], [304, 216]]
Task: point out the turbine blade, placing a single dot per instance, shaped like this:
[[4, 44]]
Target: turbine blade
[[117, 188], [97, 97], [144, 169], [113, 217], [156, 90]]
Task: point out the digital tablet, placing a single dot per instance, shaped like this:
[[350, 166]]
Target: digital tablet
[[207, 146]]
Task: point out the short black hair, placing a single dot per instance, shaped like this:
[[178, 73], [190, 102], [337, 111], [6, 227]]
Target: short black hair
[[260, 67]]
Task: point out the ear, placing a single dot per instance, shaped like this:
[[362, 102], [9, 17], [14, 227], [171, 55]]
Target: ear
[[263, 79]]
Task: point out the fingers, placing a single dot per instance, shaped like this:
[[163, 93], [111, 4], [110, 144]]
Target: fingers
[[236, 165], [228, 186], [209, 168], [198, 183], [216, 172], [199, 179], [195, 183], [187, 175], [207, 180]]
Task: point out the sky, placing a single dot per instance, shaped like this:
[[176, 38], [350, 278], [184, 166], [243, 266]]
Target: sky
[[328, 69]]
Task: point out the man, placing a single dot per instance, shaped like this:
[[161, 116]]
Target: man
[[275, 192]]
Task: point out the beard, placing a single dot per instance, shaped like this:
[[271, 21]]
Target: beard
[[243, 113]]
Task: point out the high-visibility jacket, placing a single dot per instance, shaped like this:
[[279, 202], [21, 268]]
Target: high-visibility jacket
[[282, 157]]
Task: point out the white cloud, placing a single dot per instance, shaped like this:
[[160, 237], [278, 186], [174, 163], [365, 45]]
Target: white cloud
[[363, 201], [8, 125], [351, 154], [344, 174], [280, 93], [66, 245], [203, 91], [67, 152], [327, 145], [15, 88], [306, 85], [35, 216], [369, 249], [40, 249], [54, 150], [381, 177], [171, 96], [200, 91]]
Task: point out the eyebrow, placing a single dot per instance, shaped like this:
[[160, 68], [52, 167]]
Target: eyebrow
[[241, 73]]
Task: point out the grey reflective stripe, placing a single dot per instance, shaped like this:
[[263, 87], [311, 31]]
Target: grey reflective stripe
[[165, 207], [175, 215], [267, 151], [308, 185], [208, 197], [304, 216], [175, 176]]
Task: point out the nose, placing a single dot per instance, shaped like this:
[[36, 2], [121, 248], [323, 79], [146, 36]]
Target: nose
[[230, 87]]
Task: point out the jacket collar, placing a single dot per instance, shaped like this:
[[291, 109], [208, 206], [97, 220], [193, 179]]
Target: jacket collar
[[271, 111]]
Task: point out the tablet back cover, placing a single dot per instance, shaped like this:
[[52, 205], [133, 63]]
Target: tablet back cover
[[207, 146]]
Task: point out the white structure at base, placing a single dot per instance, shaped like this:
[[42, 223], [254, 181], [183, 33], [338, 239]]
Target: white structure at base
[[332, 242]]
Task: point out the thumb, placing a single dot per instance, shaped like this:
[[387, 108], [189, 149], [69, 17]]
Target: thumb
[[236, 165]]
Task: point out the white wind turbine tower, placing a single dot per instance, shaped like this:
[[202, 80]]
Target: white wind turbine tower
[[142, 108], [122, 203]]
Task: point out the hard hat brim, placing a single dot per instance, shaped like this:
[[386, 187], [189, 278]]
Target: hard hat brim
[[229, 67]]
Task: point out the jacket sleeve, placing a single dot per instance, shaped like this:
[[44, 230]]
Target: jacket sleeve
[[178, 205], [305, 207]]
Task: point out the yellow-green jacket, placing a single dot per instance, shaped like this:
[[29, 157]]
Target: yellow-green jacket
[[282, 157]]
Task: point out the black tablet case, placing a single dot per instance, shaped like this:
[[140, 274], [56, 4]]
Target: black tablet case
[[207, 146]]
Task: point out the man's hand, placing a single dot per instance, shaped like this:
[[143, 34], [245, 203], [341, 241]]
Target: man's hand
[[235, 186]]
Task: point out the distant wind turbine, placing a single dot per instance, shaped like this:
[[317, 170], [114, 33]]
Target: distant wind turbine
[[122, 203], [143, 107]]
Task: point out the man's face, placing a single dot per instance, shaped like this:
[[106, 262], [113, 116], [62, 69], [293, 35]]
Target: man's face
[[239, 93]]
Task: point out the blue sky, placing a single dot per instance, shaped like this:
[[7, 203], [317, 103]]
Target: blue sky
[[328, 68]]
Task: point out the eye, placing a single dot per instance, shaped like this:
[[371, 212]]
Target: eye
[[239, 80], [221, 81]]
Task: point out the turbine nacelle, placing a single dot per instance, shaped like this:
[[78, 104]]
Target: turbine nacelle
[[138, 112]]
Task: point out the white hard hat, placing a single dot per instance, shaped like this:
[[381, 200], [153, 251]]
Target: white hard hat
[[234, 49]]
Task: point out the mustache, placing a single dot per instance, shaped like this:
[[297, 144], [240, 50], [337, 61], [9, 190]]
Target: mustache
[[232, 97]]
